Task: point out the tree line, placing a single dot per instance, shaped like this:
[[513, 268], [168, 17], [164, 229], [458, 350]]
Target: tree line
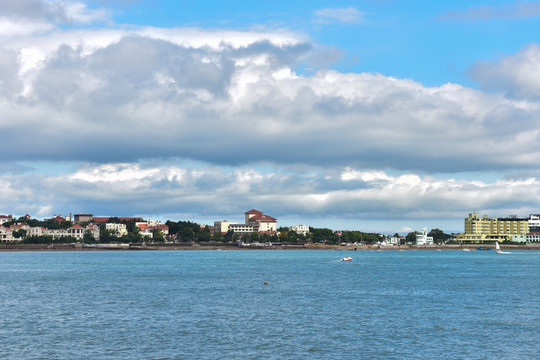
[[190, 232]]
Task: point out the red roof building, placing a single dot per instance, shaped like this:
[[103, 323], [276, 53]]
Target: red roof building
[[261, 223]]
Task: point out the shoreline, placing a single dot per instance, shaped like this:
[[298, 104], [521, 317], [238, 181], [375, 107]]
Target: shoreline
[[213, 246]]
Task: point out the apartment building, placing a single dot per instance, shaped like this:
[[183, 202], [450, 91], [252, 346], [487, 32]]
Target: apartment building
[[497, 229]]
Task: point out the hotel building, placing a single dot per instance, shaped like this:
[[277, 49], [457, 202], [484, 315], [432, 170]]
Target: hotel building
[[483, 228]]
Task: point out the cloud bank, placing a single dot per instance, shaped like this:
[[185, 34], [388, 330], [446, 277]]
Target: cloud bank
[[129, 104]]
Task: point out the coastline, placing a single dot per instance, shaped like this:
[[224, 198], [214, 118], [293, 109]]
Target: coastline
[[213, 246]]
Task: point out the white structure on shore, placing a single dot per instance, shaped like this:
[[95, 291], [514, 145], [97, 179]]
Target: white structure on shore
[[76, 231], [423, 239], [254, 221], [300, 229], [117, 229], [222, 226]]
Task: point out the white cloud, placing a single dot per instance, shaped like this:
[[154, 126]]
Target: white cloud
[[120, 98], [518, 74], [219, 192], [344, 16], [142, 97], [52, 12]]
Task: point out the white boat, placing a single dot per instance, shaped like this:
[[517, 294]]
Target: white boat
[[466, 249], [498, 249], [346, 258]]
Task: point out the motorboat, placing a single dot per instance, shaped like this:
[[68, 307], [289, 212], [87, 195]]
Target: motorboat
[[346, 258]]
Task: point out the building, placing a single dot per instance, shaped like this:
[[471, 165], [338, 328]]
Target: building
[[76, 231], [533, 237], [105, 219], [118, 229], [93, 230], [151, 226], [262, 224], [534, 223], [79, 218], [254, 221], [242, 229], [5, 219], [222, 226], [483, 228], [300, 229], [423, 238]]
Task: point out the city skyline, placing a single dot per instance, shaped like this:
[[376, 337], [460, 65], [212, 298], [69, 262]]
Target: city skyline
[[380, 116]]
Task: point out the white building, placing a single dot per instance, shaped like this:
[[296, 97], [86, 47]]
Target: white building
[[242, 228], [223, 226], [423, 239], [5, 219], [394, 240], [6, 235], [118, 229], [300, 229], [261, 223]]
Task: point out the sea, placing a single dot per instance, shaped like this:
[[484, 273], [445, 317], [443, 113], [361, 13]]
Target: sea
[[269, 304]]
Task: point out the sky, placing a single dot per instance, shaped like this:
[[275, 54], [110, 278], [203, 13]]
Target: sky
[[378, 115]]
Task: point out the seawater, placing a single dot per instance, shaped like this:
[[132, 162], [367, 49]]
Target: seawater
[[269, 304]]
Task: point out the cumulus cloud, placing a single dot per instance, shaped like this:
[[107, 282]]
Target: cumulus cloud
[[217, 192], [51, 11], [136, 97], [121, 98], [518, 74], [515, 10], [10, 83]]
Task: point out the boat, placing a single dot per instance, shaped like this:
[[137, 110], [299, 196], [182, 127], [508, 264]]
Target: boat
[[466, 249], [498, 249], [346, 258]]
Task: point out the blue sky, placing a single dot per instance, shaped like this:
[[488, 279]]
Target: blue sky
[[383, 116], [432, 42]]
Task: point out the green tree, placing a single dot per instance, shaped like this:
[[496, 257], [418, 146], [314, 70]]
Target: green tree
[[19, 234], [158, 236], [187, 234], [411, 237], [88, 238], [107, 236], [324, 235], [218, 236], [439, 236], [204, 234]]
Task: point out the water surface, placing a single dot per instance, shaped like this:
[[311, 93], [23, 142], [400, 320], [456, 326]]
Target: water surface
[[269, 305]]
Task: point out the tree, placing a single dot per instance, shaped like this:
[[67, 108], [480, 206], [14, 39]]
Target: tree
[[324, 236], [18, 234], [204, 234], [218, 236], [107, 236], [186, 234], [411, 237], [439, 236], [88, 238], [158, 236]]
